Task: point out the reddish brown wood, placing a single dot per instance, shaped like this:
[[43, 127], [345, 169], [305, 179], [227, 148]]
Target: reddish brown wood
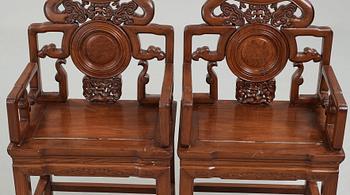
[[98, 187], [101, 136], [250, 188], [256, 138]]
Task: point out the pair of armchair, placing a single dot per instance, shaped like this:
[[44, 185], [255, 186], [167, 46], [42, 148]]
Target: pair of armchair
[[251, 138]]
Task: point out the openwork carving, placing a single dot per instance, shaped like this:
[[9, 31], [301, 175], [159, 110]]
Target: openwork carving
[[258, 14], [255, 92], [102, 90], [143, 80], [24, 107], [233, 14], [61, 78], [283, 14], [274, 13], [115, 11], [310, 54], [153, 52], [200, 52], [297, 81], [108, 10], [212, 80]]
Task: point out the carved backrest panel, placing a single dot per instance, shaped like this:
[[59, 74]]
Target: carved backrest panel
[[107, 10], [101, 37], [257, 38], [277, 13]]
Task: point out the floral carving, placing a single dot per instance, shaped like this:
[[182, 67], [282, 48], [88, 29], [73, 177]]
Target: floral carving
[[102, 90], [283, 14], [211, 76], [234, 14], [272, 14], [311, 54], [154, 52], [297, 81], [258, 14], [100, 11], [200, 52], [75, 10], [123, 13], [47, 50], [114, 11], [248, 92]]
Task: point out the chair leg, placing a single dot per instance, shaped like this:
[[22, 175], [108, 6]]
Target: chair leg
[[172, 175], [164, 183], [22, 182], [48, 190], [186, 183], [330, 186]]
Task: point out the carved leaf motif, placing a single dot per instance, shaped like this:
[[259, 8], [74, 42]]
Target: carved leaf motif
[[248, 92], [258, 14], [123, 13], [102, 90], [114, 11], [154, 52], [283, 14], [47, 49], [211, 76], [100, 11], [274, 14], [75, 10], [233, 12], [310, 53], [200, 52]]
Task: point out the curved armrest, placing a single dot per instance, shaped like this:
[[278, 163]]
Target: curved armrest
[[337, 109], [186, 106], [18, 93], [165, 105], [164, 100]]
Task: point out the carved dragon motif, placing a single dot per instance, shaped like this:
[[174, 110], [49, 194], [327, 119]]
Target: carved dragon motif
[[113, 10], [265, 11]]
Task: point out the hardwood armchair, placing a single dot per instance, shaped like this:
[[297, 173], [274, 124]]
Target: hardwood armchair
[[100, 136], [254, 137]]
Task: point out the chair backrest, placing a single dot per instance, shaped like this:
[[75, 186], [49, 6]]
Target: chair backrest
[[258, 37], [101, 37]]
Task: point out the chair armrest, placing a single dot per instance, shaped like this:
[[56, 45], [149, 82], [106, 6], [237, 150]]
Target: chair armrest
[[165, 99], [336, 109], [187, 90], [18, 104], [165, 105], [166, 96], [186, 106]]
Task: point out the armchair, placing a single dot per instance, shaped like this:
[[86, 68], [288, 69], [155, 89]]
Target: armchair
[[102, 136]]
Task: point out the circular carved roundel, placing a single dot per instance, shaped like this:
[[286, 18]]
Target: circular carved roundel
[[101, 50], [257, 53]]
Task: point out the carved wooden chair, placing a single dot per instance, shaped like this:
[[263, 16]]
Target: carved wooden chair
[[100, 136], [254, 137]]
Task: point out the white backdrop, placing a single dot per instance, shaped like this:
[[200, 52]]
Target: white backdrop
[[16, 15]]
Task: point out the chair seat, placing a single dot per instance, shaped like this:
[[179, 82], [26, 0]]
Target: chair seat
[[78, 127], [229, 130]]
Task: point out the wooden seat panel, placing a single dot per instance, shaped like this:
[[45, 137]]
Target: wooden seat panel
[[228, 121], [80, 128], [228, 130], [78, 119]]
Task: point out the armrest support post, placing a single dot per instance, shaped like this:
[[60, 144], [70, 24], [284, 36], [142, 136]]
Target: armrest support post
[[337, 108], [19, 91], [164, 101]]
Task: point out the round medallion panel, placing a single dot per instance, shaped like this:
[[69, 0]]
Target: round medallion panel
[[257, 53], [101, 50]]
